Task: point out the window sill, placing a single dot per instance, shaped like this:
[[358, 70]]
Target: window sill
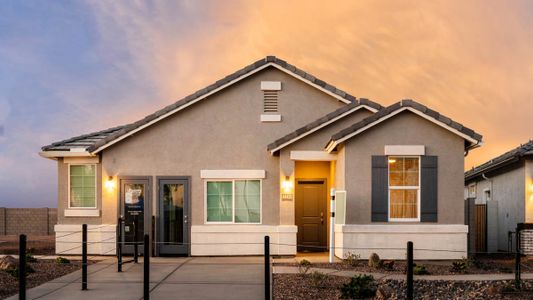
[[82, 212]]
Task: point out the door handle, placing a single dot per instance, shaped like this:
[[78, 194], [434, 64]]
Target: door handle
[[185, 219]]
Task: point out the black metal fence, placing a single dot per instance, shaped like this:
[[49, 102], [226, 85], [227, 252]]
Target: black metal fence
[[268, 278]]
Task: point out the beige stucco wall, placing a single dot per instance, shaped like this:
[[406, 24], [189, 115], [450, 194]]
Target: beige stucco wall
[[405, 128], [221, 132]]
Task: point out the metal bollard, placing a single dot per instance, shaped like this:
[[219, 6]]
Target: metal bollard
[[135, 240], [22, 267], [146, 253], [517, 269], [409, 293], [119, 245], [84, 257], [267, 267]]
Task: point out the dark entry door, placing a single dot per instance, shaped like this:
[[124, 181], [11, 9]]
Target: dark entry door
[[311, 210], [135, 210], [173, 229]]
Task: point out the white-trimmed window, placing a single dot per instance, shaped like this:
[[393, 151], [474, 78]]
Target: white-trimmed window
[[404, 188], [472, 190], [82, 186], [233, 201]]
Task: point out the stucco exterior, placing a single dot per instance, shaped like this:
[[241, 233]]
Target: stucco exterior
[[405, 129], [225, 133]]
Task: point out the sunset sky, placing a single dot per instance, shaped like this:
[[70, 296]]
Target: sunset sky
[[69, 67]]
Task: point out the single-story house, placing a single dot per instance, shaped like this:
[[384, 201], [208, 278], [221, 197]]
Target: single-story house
[[256, 153], [502, 191]]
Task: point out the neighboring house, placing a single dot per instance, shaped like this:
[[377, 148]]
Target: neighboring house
[[256, 154], [503, 189]]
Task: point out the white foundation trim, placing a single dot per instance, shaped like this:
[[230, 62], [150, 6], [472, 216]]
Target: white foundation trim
[[389, 241], [271, 118], [101, 239], [232, 174], [271, 85], [405, 150], [233, 239], [70, 212], [312, 156]]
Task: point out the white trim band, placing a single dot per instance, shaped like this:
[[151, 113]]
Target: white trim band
[[232, 174], [270, 118], [405, 150], [271, 85], [69, 212], [312, 156]]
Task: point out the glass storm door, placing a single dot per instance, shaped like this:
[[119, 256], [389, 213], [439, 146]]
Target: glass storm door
[[173, 235], [134, 198]]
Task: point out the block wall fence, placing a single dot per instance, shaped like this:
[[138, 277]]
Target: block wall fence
[[31, 221]]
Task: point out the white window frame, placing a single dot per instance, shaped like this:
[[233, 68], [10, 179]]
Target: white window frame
[[233, 201], [417, 219], [95, 186], [474, 187]]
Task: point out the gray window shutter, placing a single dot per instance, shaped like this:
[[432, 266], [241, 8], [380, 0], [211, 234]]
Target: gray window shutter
[[429, 188], [380, 189]]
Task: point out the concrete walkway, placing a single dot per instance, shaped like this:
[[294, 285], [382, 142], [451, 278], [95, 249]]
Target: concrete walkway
[[458, 277], [170, 278]]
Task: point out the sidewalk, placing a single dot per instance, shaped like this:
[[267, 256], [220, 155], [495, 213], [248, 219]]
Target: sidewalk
[[458, 277], [170, 278]]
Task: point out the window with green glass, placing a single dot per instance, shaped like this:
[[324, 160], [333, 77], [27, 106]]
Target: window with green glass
[[83, 186], [234, 201]]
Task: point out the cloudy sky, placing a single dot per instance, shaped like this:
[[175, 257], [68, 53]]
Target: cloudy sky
[[71, 67]]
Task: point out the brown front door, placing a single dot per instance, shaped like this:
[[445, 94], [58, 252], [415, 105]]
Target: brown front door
[[311, 214]]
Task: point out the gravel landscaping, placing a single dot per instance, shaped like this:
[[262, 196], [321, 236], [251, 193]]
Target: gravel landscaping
[[477, 266], [297, 286], [44, 270]]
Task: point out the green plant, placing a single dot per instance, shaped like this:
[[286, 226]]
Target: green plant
[[459, 267], [374, 261], [420, 270], [359, 287], [30, 258], [62, 260], [303, 266], [15, 271], [352, 259], [318, 279]]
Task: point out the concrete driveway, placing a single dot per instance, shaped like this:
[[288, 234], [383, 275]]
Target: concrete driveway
[[170, 278]]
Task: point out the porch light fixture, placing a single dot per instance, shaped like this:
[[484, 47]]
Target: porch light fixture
[[287, 185], [392, 160], [110, 184]]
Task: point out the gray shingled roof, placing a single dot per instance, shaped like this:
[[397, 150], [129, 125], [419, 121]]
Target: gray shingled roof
[[103, 137], [406, 103], [501, 161], [301, 131]]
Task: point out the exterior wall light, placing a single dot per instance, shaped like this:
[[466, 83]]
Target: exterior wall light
[[287, 185], [110, 184]]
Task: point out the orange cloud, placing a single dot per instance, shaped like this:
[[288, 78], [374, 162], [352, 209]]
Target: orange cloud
[[470, 60]]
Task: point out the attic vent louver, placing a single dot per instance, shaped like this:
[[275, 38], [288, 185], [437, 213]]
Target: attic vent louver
[[270, 101]]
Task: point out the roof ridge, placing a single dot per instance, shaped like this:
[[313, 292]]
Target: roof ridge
[[516, 152], [125, 129]]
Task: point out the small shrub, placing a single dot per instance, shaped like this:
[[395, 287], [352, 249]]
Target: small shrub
[[374, 261], [303, 266], [15, 271], [359, 287], [318, 279], [30, 258], [420, 270], [458, 267], [352, 259], [61, 260]]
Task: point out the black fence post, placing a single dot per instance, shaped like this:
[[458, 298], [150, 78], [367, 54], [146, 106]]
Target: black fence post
[[517, 258], [267, 267], [146, 253], [119, 245], [135, 240], [409, 294], [22, 267], [84, 257]]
